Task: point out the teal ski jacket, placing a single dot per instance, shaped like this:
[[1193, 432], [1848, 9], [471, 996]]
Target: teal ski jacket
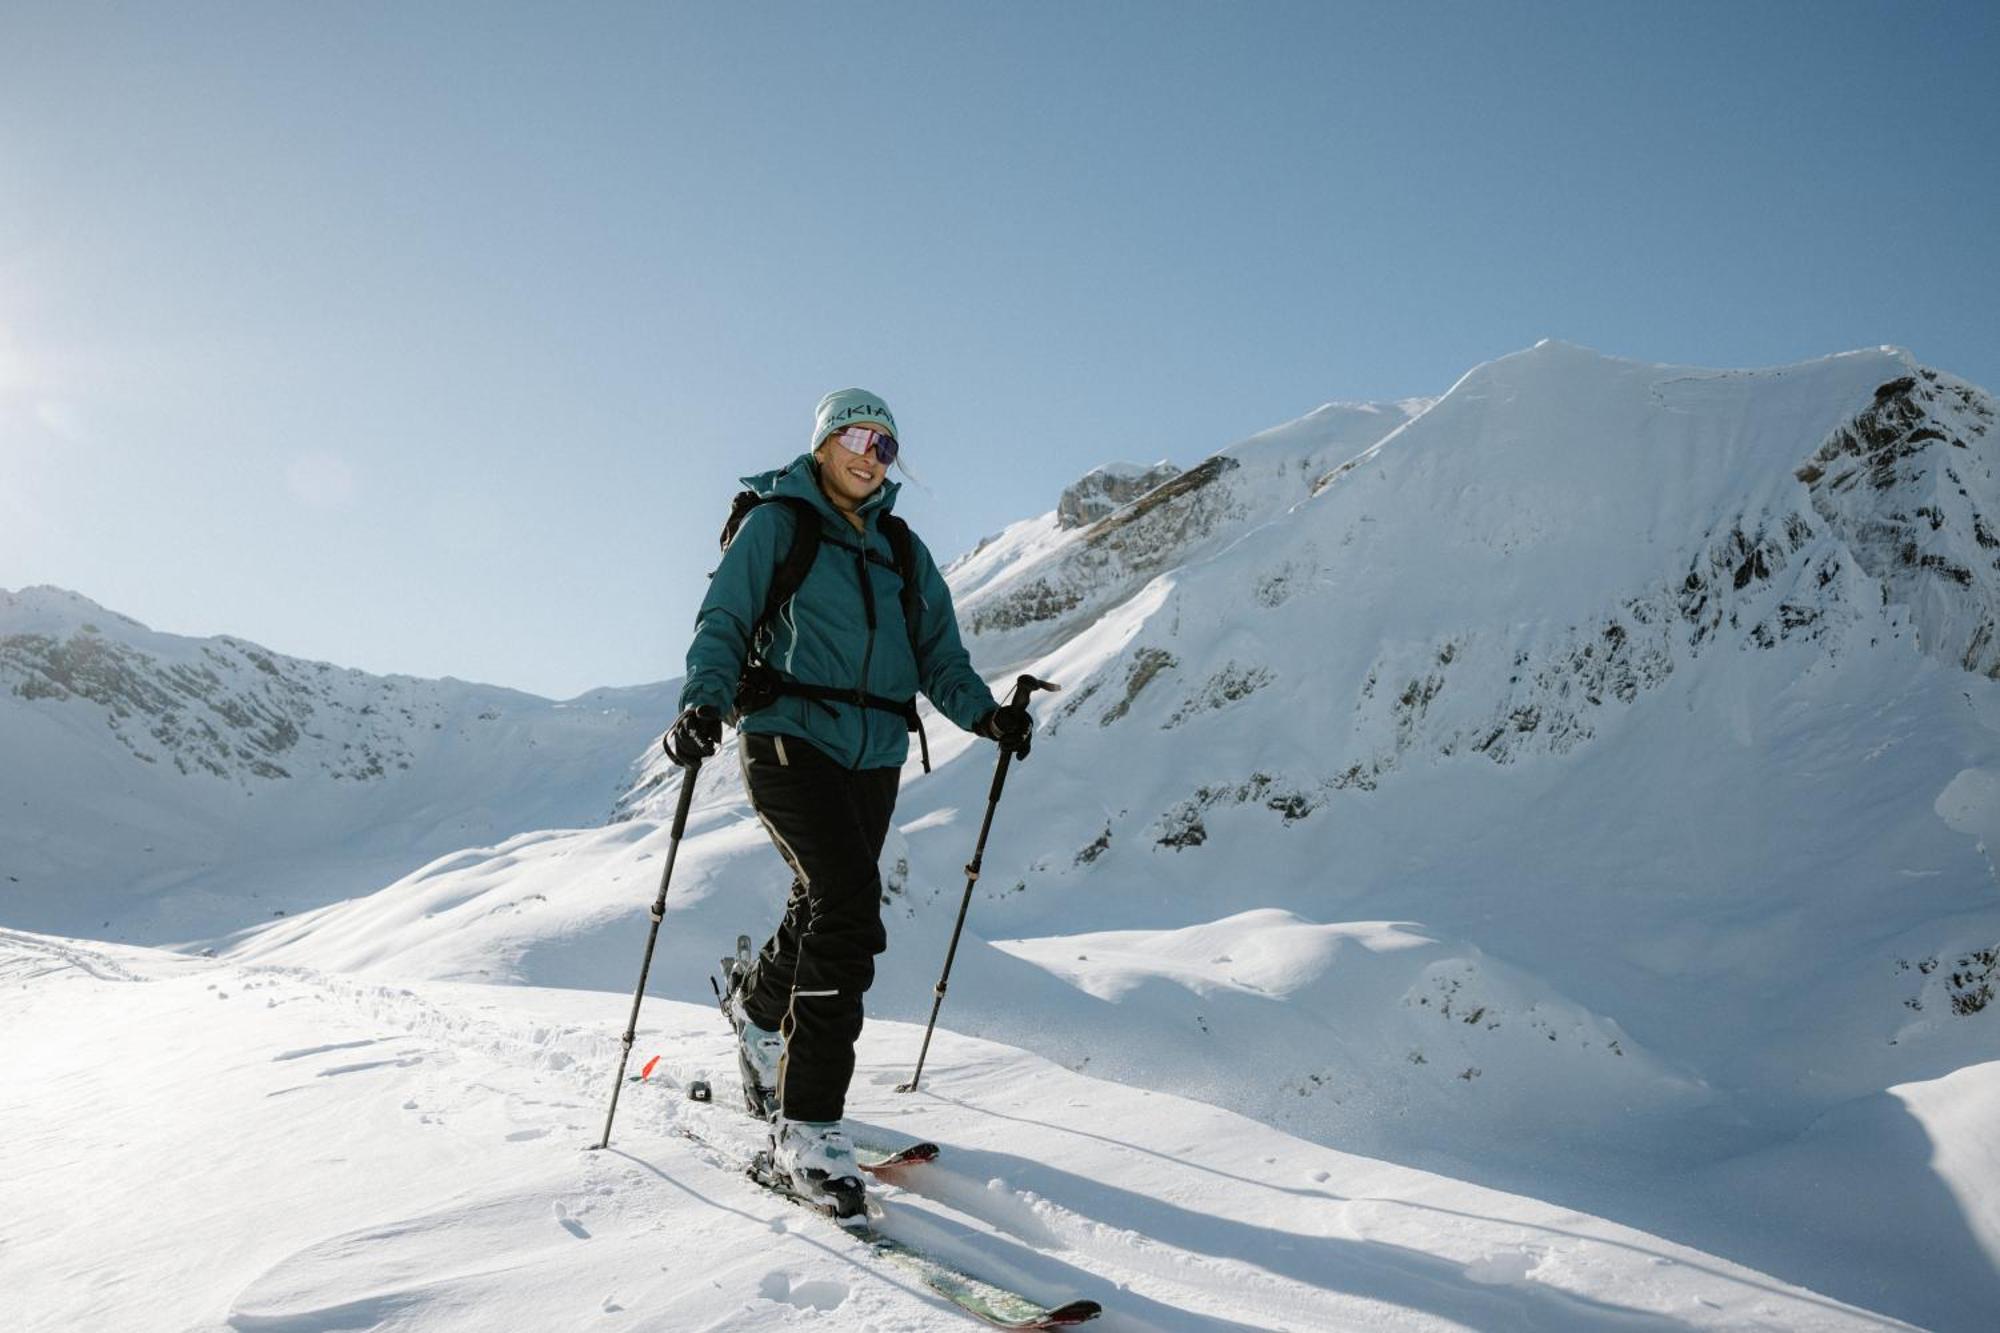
[[821, 636]]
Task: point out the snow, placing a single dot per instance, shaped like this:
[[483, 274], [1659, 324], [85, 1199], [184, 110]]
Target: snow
[[344, 1154], [1513, 859]]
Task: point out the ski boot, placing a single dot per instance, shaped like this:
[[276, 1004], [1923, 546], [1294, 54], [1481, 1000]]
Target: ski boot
[[758, 1050], [815, 1161]]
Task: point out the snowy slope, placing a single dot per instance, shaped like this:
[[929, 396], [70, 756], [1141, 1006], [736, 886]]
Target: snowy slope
[[340, 1153], [1036, 583], [1581, 781], [165, 788]]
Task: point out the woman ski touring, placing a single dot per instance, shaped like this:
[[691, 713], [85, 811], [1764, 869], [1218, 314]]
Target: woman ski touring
[[824, 619]]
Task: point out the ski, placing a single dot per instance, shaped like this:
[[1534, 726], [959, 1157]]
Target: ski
[[987, 1301]]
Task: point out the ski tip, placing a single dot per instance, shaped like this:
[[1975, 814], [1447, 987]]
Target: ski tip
[[1076, 1312], [917, 1154]]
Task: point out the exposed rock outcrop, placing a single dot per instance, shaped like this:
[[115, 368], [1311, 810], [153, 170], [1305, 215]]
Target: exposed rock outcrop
[[1104, 489]]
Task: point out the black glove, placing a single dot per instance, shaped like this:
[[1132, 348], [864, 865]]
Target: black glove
[[695, 734], [1011, 727]]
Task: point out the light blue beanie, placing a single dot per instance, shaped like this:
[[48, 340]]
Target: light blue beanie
[[847, 407]]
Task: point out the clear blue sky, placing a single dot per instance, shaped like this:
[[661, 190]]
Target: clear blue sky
[[430, 338]]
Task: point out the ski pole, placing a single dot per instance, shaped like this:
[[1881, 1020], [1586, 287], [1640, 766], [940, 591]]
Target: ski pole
[[652, 937], [1024, 688]]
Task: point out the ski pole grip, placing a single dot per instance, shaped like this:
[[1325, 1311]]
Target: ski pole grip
[[1025, 686], [1024, 690]]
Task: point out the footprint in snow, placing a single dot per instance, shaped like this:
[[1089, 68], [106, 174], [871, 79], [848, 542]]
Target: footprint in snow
[[523, 1135], [570, 1224], [817, 1294], [1507, 1269], [304, 1051], [404, 1063]]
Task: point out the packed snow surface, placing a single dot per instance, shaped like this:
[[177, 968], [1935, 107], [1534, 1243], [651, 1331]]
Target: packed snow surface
[[337, 1153]]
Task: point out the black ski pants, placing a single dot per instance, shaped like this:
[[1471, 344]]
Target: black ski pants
[[828, 822]]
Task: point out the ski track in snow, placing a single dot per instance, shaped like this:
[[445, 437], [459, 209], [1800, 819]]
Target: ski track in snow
[[448, 1185]]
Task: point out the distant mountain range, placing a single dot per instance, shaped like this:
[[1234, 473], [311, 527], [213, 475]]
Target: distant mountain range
[[166, 788]]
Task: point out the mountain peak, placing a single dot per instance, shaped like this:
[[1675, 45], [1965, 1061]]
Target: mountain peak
[[1107, 487], [46, 609]]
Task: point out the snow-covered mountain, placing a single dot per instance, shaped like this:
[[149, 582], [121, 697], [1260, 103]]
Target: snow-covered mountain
[[165, 788], [1580, 784]]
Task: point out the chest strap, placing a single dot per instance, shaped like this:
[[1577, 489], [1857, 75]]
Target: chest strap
[[762, 685]]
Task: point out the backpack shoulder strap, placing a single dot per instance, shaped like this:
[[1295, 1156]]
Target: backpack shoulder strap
[[798, 559], [903, 543], [794, 564]]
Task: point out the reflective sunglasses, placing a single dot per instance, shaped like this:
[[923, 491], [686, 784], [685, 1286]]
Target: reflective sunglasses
[[860, 439]]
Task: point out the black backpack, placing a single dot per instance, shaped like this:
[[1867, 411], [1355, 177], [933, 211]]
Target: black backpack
[[761, 683]]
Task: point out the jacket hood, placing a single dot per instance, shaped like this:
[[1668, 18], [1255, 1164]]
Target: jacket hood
[[798, 479]]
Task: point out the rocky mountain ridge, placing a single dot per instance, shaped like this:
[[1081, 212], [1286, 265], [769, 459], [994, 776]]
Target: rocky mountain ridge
[[1106, 488], [143, 765]]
